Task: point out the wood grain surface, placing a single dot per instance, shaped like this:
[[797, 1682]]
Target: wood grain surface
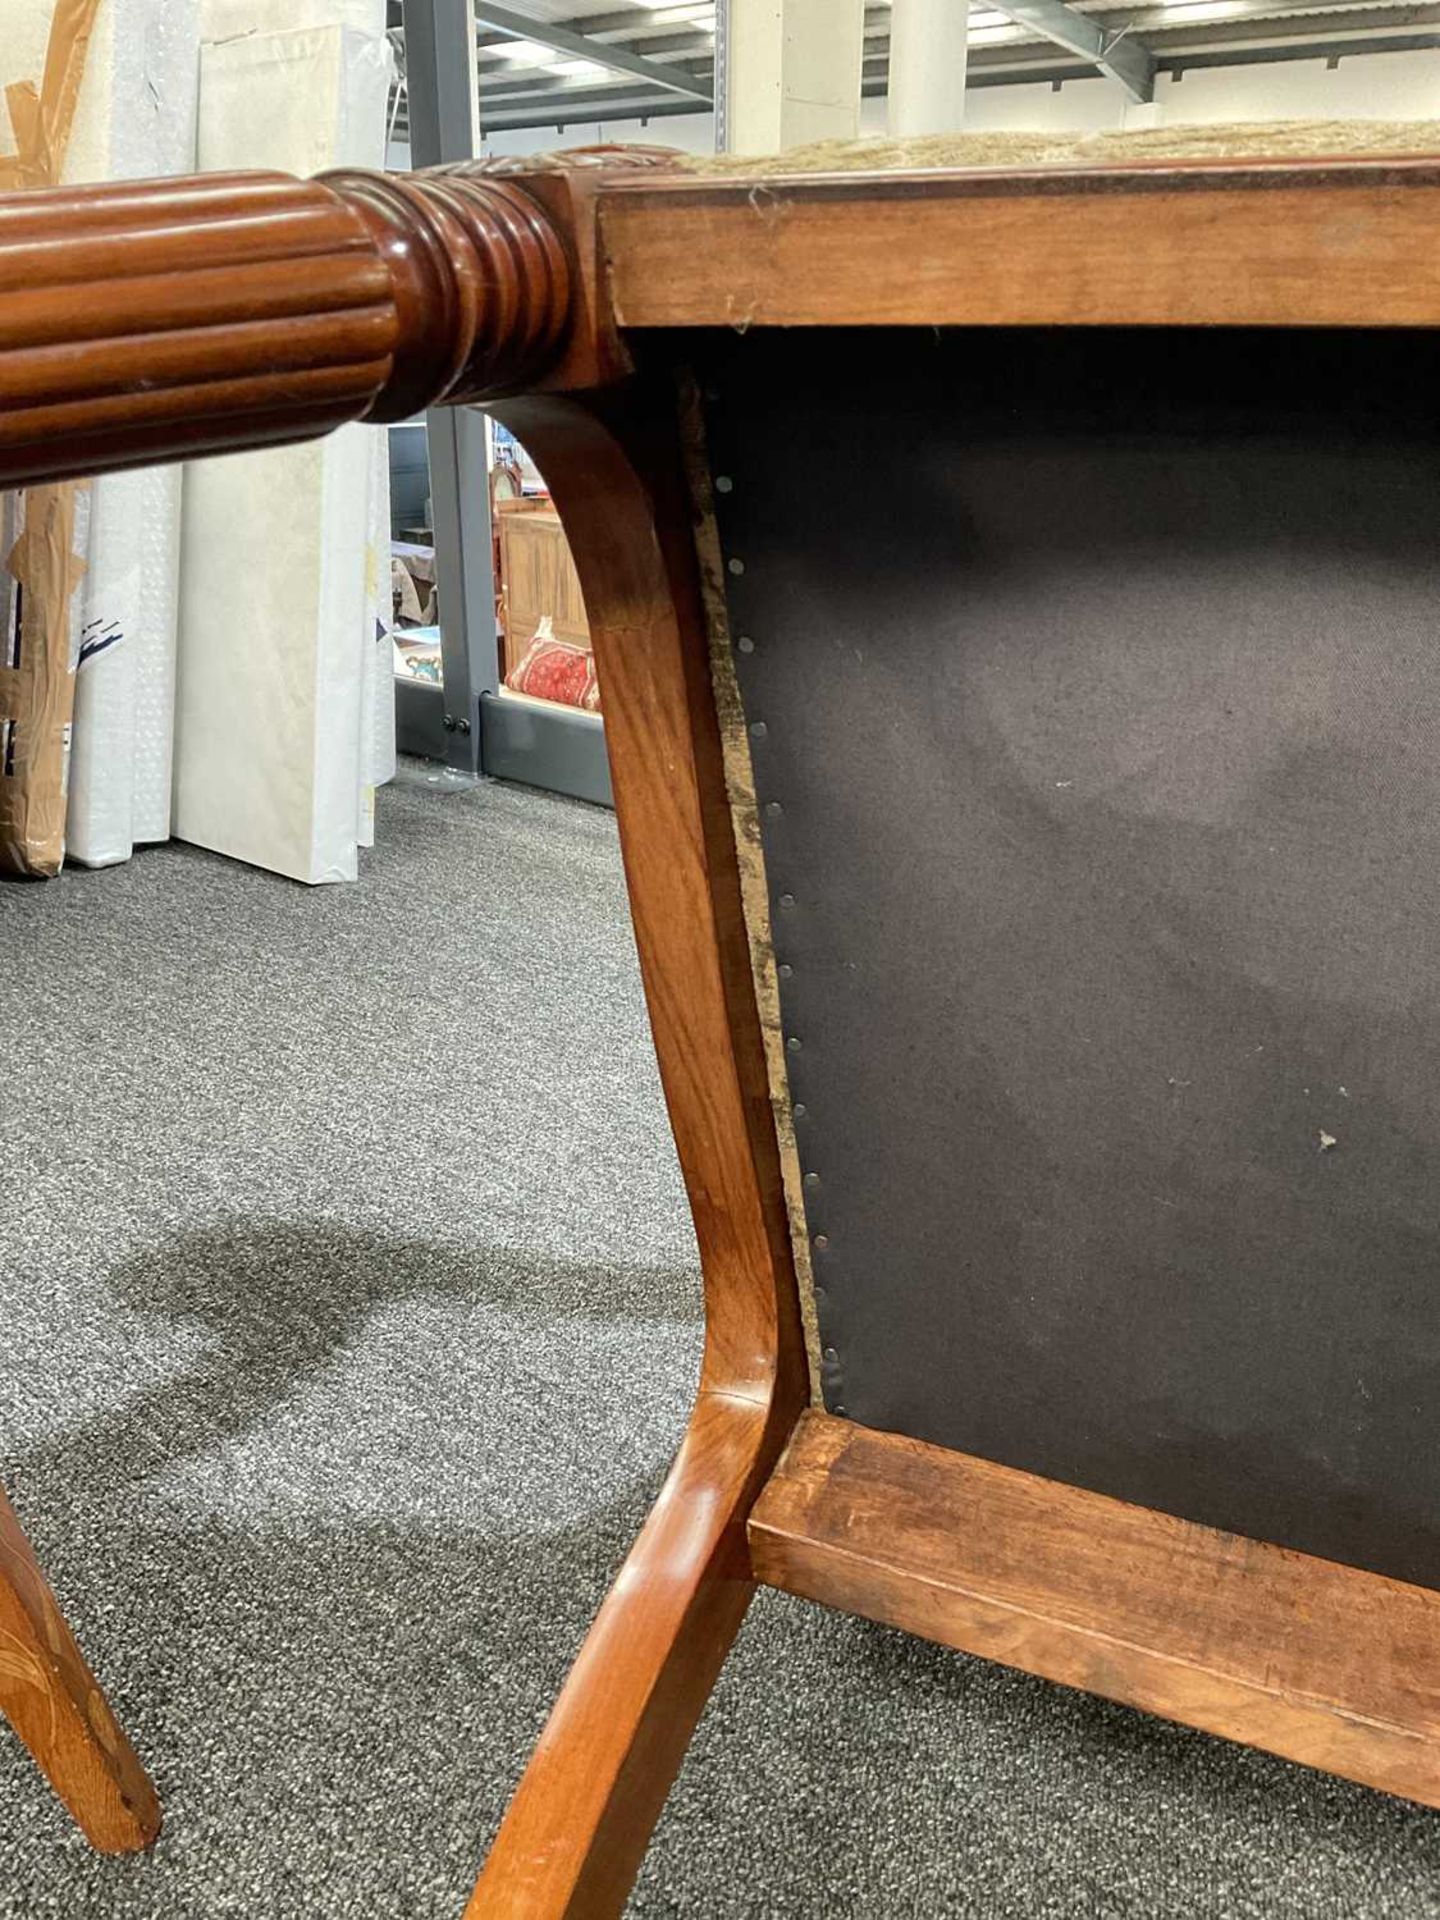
[[54, 1703], [1319, 1662], [1192, 244]]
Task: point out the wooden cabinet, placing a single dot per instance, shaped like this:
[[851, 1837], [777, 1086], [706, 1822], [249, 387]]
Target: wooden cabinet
[[537, 578]]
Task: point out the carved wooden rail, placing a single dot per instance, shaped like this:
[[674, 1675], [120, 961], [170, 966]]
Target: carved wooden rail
[[150, 321]]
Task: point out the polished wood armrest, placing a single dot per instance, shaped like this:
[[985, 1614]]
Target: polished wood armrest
[[162, 319]]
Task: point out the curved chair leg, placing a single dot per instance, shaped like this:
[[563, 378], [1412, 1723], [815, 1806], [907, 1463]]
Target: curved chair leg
[[576, 1830], [54, 1703]]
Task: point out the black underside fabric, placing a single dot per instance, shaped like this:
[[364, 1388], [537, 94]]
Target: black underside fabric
[[1093, 682]]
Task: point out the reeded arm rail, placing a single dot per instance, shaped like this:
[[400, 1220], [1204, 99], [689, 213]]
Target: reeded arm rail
[[149, 322], [162, 319]]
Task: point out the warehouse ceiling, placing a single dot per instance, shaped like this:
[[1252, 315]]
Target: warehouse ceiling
[[559, 63]]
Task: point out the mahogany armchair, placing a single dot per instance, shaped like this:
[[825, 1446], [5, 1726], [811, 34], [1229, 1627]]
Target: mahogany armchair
[[1014, 596]]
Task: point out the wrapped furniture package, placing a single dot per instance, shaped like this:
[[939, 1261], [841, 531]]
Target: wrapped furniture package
[[44, 532], [95, 91], [136, 119], [113, 98], [284, 728]]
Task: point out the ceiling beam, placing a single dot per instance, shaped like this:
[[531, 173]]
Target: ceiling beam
[[498, 99], [519, 26], [1125, 60], [689, 44], [1247, 23]]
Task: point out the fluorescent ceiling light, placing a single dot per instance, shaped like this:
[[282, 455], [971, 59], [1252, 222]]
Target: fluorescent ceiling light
[[1204, 9], [665, 13], [579, 69], [528, 53]]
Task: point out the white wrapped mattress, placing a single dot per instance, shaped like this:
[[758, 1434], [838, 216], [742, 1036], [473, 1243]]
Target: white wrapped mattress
[[135, 117], [283, 725]]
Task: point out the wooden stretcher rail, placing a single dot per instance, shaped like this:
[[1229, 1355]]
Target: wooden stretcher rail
[[1321, 1663]]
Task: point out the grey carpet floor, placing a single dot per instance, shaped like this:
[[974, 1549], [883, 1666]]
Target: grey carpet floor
[[348, 1319]]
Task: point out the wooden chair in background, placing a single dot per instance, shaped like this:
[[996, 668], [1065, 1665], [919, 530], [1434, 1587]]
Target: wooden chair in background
[[974, 987]]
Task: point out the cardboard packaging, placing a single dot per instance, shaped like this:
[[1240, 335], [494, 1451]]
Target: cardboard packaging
[[43, 530]]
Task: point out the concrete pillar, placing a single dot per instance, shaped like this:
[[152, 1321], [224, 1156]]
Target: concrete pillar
[[927, 67], [792, 72]]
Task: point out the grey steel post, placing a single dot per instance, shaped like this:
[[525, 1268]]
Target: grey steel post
[[443, 96]]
